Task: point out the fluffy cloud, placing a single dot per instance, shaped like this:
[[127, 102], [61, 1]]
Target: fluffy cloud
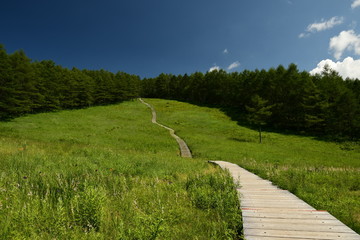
[[217, 68], [225, 51], [234, 65], [322, 26], [348, 68], [355, 4], [346, 40]]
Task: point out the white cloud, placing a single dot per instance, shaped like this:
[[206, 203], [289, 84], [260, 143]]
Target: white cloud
[[217, 68], [348, 68], [346, 40], [225, 51], [355, 4], [322, 26], [304, 35], [234, 65]]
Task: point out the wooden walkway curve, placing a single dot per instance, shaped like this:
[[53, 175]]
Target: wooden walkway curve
[[270, 213], [184, 149]]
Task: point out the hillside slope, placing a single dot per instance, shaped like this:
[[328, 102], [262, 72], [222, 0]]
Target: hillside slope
[[325, 174], [107, 173]]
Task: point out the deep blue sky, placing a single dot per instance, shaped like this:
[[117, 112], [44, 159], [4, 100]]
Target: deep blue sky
[[147, 38]]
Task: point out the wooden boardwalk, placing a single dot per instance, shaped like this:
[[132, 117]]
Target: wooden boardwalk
[[184, 149], [270, 213]]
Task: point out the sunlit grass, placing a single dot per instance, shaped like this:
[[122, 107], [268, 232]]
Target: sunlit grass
[[104, 173], [325, 174]]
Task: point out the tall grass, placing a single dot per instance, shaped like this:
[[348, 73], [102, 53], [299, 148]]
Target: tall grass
[[324, 174], [106, 173]]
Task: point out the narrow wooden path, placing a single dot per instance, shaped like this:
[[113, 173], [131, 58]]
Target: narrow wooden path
[[184, 149], [270, 213]]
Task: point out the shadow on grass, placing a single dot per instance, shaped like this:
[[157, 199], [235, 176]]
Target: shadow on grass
[[239, 116], [10, 117]]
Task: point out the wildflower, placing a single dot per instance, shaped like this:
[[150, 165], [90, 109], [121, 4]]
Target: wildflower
[[25, 177]]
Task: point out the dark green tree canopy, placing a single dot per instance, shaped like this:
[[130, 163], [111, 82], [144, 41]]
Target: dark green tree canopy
[[282, 98], [30, 87], [258, 111]]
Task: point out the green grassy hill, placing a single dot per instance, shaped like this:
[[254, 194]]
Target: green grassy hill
[[107, 173], [324, 174]]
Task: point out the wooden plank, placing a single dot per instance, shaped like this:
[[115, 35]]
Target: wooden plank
[[245, 198], [280, 238], [255, 195], [287, 215], [301, 234], [319, 222], [259, 186], [274, 225], [264, 191], [261, 200], [270, 213], [297, 211], [271, 200], [261, 203], [275, 205]]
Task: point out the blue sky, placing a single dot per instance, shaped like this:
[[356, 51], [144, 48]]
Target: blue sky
[[150, 37]]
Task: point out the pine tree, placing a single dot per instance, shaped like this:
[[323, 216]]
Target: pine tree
[[258, 113], [23, 81], [8, 102]]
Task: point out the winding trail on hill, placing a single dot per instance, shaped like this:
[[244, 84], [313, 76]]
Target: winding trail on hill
[[184, 149], [270, 213]]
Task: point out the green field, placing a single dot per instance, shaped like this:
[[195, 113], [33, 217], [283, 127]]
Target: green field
[[108, 173], [324, 174]]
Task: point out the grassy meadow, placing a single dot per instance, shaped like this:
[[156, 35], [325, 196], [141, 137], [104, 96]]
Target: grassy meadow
[[324, 174], [107, 172]]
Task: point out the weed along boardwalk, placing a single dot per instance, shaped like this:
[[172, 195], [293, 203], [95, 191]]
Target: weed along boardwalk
[[184, 149], [270, 213]]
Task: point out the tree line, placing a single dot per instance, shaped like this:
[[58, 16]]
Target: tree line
[[280, 98], [32, 87]]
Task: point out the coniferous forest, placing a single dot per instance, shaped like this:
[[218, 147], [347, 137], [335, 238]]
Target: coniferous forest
[[279, 98], [32, 87]]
